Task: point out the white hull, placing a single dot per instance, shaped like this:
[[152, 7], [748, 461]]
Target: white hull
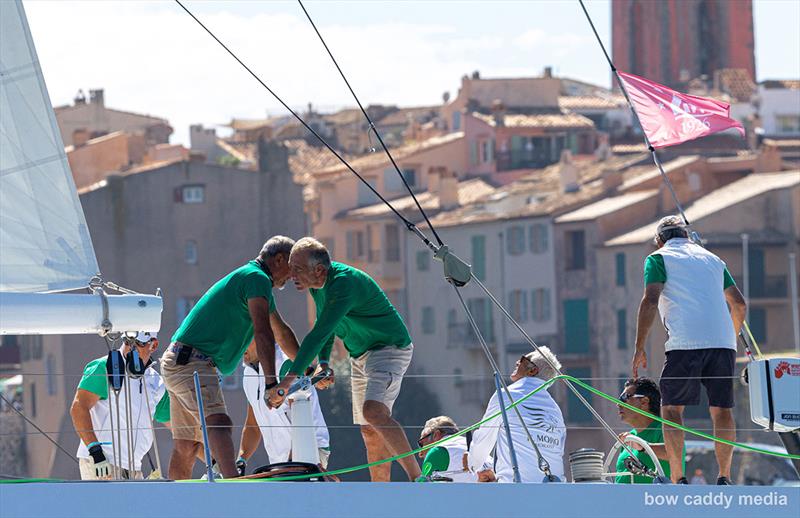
[[65, 314]]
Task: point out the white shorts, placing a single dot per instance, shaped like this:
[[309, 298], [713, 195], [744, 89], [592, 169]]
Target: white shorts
[[377, 375]]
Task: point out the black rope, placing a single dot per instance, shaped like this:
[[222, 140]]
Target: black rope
[[68, 454], [372, 125], [409, 225]]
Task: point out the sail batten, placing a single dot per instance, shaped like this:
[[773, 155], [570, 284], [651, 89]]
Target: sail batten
[[44, 241]]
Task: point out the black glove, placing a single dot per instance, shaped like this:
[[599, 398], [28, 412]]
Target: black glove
[[241, 466]]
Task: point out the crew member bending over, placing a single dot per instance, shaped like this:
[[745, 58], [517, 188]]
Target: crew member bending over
[[352, 306]]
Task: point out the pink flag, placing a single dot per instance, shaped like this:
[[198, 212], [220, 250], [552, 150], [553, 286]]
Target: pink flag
[[669, 117]]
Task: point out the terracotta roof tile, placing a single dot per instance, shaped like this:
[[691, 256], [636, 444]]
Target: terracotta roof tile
[[563, 120]]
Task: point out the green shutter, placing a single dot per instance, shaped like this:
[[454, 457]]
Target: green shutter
[[620, 269], [479, 257], [576, 410], [576, 325], [622, 329]]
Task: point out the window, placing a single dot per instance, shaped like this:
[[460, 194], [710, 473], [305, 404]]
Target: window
[[576, 325], [576, 250], [365, 195], [473, 152], [428, 320], [515, 243], [487, 151], [392, 243], [758, 324], [33, 399], [190, 252], [576, 410], [355, 244], [537, 235], [622, 329], [423, 261], [191, 194], [518, 305], [31, 348], [184, 306], [788, 123], [481, 311], [392, 181], [50, 372], [620, 265], [479, 257], [456, 121], [540, 304]]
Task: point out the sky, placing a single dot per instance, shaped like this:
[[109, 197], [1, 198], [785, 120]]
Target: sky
[[151, 57]]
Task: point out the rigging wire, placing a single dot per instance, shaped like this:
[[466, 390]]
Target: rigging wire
[[68, 454], [409, 225], [371, 125]]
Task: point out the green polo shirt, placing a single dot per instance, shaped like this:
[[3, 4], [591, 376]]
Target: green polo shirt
[[94, 380], [353, 307], [219, 325], [652, 434], [655, 271]]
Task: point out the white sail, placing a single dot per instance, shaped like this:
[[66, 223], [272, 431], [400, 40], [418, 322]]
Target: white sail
[[44, 241]]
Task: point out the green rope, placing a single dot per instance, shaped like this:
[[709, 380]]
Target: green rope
[[517, 402]]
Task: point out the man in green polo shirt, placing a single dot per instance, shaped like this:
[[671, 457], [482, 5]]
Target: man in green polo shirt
[[214, 335], [352, 306], [643, 394]]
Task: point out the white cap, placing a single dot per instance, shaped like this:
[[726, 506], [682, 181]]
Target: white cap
[[146, 336]]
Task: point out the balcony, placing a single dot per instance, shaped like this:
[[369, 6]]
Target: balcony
[[766, 287]]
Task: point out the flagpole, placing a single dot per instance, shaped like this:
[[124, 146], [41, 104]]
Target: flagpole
[[694, 235]]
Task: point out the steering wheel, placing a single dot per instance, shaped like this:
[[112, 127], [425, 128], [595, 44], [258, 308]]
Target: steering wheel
[[660, 478]]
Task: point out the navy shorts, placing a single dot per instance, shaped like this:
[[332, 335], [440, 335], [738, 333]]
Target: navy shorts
[[686, 369]]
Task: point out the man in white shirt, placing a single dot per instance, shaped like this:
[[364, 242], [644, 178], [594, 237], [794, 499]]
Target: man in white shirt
[[273, 426], [540, 413], [91, 413], [702, 311]]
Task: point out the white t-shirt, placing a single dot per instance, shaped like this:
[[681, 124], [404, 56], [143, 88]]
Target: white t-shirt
[[275, 423], [141, 421], [546, 424]]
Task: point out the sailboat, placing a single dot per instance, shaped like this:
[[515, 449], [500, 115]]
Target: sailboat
[[46, 250], [45, 245]]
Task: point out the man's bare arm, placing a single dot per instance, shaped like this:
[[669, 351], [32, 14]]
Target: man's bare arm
[[81, 418], [265, 339], [284, 335], [737, 306], [251, 434], [648, 308]]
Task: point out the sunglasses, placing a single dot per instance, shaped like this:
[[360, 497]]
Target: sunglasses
[[153, 341], [624, 397], [419, 442]]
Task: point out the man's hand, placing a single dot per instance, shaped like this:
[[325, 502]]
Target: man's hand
[[102, 468], [327, 382], [276, 395], [639, 360]]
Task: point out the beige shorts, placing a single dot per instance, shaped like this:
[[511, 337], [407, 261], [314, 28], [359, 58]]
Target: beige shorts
[[184, 415], [377, 375]]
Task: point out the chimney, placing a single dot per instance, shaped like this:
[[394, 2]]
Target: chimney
[[499, 113], [80, 98], [434, 180], [568, 172], [476, 75], [612, 179], [96, 97], [80, 137], [448, 189], [548, 72]]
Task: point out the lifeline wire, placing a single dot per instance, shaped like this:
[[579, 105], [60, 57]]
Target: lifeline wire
[[68, 454], [372, 125], [409, 225]]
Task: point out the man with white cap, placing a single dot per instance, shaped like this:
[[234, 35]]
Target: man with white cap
[[92, 409], [702, 311], [273, 425], [541, 415]]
